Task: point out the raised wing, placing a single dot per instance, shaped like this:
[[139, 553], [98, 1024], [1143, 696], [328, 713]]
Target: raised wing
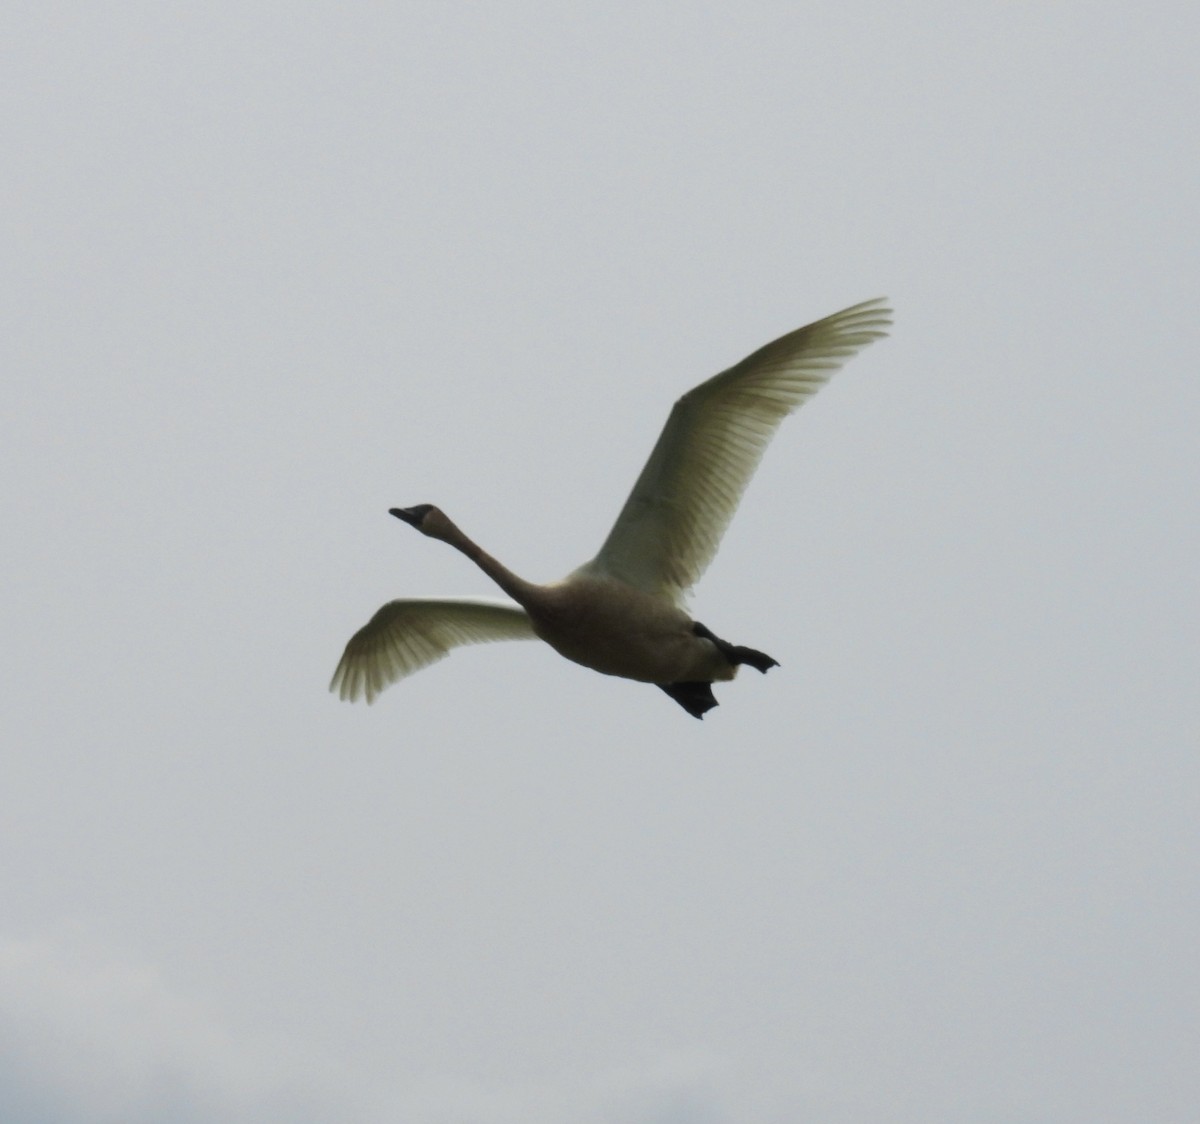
[[405, 636], [672, 523]]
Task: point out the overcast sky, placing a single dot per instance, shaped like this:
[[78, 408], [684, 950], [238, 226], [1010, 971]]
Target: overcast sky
[[270, 269]]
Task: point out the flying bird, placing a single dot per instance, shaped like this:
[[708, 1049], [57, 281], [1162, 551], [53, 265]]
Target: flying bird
[[623, 613]]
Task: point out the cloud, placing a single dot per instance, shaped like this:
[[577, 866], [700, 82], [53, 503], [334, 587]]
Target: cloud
[[90, 1036], [676, 1088]]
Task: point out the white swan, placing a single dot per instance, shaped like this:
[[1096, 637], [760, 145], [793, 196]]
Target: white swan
[[622, 613]]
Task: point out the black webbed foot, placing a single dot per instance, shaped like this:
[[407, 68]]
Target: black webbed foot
[[760, 661], [736, 654], [696, 698]]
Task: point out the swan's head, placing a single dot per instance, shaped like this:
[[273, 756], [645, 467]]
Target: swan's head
[[427, 519]]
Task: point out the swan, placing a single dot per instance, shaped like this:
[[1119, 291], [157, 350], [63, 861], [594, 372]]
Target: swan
[[623, 612]]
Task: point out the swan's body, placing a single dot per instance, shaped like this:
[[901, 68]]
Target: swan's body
[[622, 613], [618, 630]]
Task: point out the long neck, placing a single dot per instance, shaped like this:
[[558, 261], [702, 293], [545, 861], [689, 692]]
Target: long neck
[[518, 589]]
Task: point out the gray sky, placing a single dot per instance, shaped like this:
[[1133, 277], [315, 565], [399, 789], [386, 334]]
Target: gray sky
[[270, 270]]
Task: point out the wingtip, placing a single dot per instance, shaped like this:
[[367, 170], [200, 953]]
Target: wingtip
[[862, 323]]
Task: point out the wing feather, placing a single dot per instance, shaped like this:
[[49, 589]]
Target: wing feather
[[672, 523], [405, 636]]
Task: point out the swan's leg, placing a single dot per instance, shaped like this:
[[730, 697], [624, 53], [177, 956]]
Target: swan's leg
[[736, 653], [695, 697]]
